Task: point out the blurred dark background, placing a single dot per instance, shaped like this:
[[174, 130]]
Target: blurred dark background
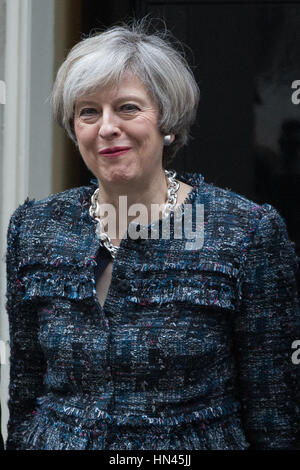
[[245, 57]]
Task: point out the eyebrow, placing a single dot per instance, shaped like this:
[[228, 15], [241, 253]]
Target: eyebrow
[[119, 98], [84, 102]]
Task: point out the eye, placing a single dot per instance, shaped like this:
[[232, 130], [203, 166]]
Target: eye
[[87, 112], [128, 107]]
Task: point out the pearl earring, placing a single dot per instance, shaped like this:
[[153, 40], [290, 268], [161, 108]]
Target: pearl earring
[[167, 139]]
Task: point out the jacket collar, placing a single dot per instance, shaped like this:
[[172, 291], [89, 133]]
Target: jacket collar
[[193, 179]]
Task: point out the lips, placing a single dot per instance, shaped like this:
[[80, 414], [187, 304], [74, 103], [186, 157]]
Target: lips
[[113, 151]]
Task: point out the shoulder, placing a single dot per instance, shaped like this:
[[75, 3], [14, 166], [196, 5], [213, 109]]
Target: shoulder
[[69, 197], [46, 225], [52, 208], [227, 201], [233, 222], [262, 229], [227, 205], [260, 224]]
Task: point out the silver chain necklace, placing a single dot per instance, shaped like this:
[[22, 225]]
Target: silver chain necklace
[[169, 206]]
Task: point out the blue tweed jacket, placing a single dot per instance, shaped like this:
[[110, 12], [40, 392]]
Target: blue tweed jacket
[[191, 350]]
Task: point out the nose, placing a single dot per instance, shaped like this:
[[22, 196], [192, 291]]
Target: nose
[[109, 125]]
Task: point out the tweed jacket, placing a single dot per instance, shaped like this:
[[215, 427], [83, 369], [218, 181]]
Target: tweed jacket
[[192, 348]]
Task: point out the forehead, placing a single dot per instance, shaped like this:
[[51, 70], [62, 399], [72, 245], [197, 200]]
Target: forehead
[[130, 86]]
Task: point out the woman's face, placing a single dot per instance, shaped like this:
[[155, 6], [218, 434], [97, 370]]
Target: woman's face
[[124, 117]]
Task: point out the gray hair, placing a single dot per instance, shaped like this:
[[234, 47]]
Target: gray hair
[[102, 59]]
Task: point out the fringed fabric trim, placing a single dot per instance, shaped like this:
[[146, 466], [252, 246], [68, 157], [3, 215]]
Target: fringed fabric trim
[[49, 434], [208, 297], [93, 413], [57, 261], [202, 291], [188, 265], [53, 285]]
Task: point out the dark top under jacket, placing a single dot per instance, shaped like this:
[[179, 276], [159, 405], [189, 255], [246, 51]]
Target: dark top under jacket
[[191, 350], [102, 259]]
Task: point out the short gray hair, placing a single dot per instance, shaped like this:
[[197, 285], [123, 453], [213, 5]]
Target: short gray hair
[[103, 58]]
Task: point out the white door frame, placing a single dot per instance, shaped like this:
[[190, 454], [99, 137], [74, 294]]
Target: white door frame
[[27, 140]]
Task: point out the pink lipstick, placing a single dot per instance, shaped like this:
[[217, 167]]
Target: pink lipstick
[[113, 151]]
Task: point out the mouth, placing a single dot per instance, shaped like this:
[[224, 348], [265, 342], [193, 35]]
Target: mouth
[[114, 151]]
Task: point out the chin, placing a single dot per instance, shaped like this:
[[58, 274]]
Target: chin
[[119, 175]]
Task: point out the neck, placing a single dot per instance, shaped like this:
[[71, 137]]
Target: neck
[[152, 191]]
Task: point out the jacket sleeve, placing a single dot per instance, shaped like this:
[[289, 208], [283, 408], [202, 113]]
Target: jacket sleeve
[[27, 365], [266, 325]]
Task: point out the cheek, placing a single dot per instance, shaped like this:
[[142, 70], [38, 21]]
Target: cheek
[[78, 133], [146, 132], [77, 127], [85, 135]]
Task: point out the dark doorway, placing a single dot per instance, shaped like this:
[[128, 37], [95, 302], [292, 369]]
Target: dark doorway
[[219, 47], [245, 59]]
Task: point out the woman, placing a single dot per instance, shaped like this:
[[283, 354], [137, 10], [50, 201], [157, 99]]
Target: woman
[[144, 341]]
